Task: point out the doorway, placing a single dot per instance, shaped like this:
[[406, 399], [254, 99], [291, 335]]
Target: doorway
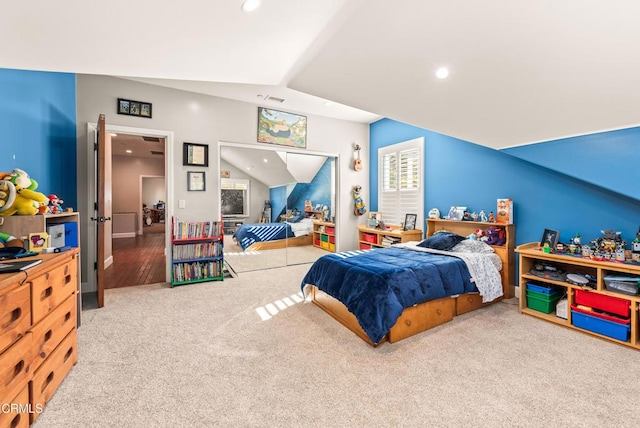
[[138, 219], [166, 140]]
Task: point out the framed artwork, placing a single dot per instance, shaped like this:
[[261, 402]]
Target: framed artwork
[[282, 128], [550, 237], [195, 154], [374, 219], [410, 221], [134, 108], [195, 181]]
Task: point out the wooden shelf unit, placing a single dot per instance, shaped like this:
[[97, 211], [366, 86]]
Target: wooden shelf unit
[[369, 238], [505, 251], [197, 252], [324, 235], [531, 254]]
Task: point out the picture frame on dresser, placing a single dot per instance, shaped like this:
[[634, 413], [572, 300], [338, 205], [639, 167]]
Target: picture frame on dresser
[[550, 237], [410, 221]]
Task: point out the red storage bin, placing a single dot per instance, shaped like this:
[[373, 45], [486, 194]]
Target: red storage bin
[[330, 229], [332, 239], [370, 237], [317, 242], [364, 246], [614, 305]]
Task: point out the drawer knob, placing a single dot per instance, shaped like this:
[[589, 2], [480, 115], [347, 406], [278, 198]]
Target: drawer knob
[[439, 311], [408, 323]]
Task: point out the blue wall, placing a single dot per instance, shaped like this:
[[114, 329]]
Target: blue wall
[[318, 191], [607, 159], [465, 174], [38, 127]]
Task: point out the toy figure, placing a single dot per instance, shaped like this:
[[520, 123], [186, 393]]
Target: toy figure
[[483, 217], [18, 194], [492, 218], [359, 208], [55, 204], [434, 213]]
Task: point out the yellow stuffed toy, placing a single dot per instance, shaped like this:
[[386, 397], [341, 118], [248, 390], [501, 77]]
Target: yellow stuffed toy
[[18, 195]]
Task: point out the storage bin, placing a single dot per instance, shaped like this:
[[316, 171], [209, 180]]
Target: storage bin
[[332, 247], [330, 229], [317, 242], [601, 324], [543, 288], [324, 238], [325, 244], [624, 285], [332, 239], [369, 237], [542, 302], [614, 305], [364, 246]]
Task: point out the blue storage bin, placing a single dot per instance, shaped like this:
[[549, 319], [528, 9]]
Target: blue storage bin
[[615, 330], [71, 234], [544, 289]]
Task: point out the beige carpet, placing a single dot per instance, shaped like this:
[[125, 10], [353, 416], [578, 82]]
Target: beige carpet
[[244, 353]]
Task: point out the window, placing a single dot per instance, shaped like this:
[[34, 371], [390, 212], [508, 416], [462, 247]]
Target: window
[[400, 188], [235, 197]]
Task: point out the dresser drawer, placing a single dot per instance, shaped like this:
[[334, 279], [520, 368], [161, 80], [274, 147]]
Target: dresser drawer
[[50, 331], [52, 372], [15, 368], [51, 288], [15, 412], [15, 315]]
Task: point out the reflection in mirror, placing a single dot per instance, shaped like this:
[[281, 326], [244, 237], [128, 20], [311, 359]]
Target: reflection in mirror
[[309, 206], [263, 194]]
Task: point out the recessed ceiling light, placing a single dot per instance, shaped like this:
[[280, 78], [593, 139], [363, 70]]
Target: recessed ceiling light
[[129, 151], [250, 5], [265, 160], [442, 73], [114, 135]]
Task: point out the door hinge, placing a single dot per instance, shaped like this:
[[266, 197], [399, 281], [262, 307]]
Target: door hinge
[[95, 265]]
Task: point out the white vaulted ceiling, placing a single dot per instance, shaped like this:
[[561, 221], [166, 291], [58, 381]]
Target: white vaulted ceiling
[[520, 71]]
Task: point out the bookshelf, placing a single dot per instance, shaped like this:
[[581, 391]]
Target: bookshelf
[[196, 252]]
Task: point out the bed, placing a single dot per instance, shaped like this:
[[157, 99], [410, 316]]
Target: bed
[[392, 293], [262, 236]]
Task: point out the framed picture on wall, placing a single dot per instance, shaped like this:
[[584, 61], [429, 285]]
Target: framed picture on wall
[[195, 154], [195, 181], [282, 128]]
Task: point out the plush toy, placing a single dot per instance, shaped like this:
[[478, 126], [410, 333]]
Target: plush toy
[[496, 236], [359, 208], [7, 240], [18, 195], [434, 213]]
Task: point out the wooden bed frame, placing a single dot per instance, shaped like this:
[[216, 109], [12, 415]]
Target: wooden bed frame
[[296, 241], [424, 316]]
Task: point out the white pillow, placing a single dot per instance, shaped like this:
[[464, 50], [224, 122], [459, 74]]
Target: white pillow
[[472, 246]]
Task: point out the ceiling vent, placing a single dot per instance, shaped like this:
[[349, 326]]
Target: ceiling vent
[[276, 99], [151, 139], [155, 152]]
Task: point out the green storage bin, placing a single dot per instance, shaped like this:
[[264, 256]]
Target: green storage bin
[[542, 302], [325, 238]]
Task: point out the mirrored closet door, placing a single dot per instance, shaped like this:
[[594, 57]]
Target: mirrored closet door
[[269, 200]]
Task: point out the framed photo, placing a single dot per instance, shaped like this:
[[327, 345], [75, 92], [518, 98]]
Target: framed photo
[[195, 154], [145, 110], [195, 181], [134, 108], [456, 213], [374, 219], [551, 237], [282, 128], [123, 106], [410, 221]]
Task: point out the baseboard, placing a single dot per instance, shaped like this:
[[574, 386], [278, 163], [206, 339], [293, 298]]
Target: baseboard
[[517, 291], [123, 235], [108, 262]]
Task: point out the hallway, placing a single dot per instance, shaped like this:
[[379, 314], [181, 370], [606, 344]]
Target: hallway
[[138, 260]]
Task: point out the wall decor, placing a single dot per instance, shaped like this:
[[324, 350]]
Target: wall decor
[[195, 154], [550, 237], [225, 174], [134, 108], [195, 181], [282, 128]]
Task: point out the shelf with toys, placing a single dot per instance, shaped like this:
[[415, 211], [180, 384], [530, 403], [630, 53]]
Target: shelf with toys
[[591, 288]]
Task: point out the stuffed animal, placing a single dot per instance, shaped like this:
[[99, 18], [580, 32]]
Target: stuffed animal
[[7, 240], [434, 213], [496, 236], [18, 195], [359, 208]]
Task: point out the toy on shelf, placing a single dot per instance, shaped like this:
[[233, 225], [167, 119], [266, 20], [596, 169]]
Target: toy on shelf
[[608, 242], [55, 204], [18, 194], [496, 236]]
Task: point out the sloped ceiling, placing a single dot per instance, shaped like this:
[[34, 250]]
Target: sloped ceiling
[[520, 71]]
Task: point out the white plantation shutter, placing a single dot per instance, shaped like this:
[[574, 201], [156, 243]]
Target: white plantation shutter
[[400, 189]]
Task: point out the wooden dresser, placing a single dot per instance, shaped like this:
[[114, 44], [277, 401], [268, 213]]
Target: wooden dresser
[[38, 341]]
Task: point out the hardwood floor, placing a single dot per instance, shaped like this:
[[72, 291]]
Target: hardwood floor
[[138, 260]]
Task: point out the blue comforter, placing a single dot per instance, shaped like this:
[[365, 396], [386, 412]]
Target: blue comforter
[[247, 234], [377, 285]]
